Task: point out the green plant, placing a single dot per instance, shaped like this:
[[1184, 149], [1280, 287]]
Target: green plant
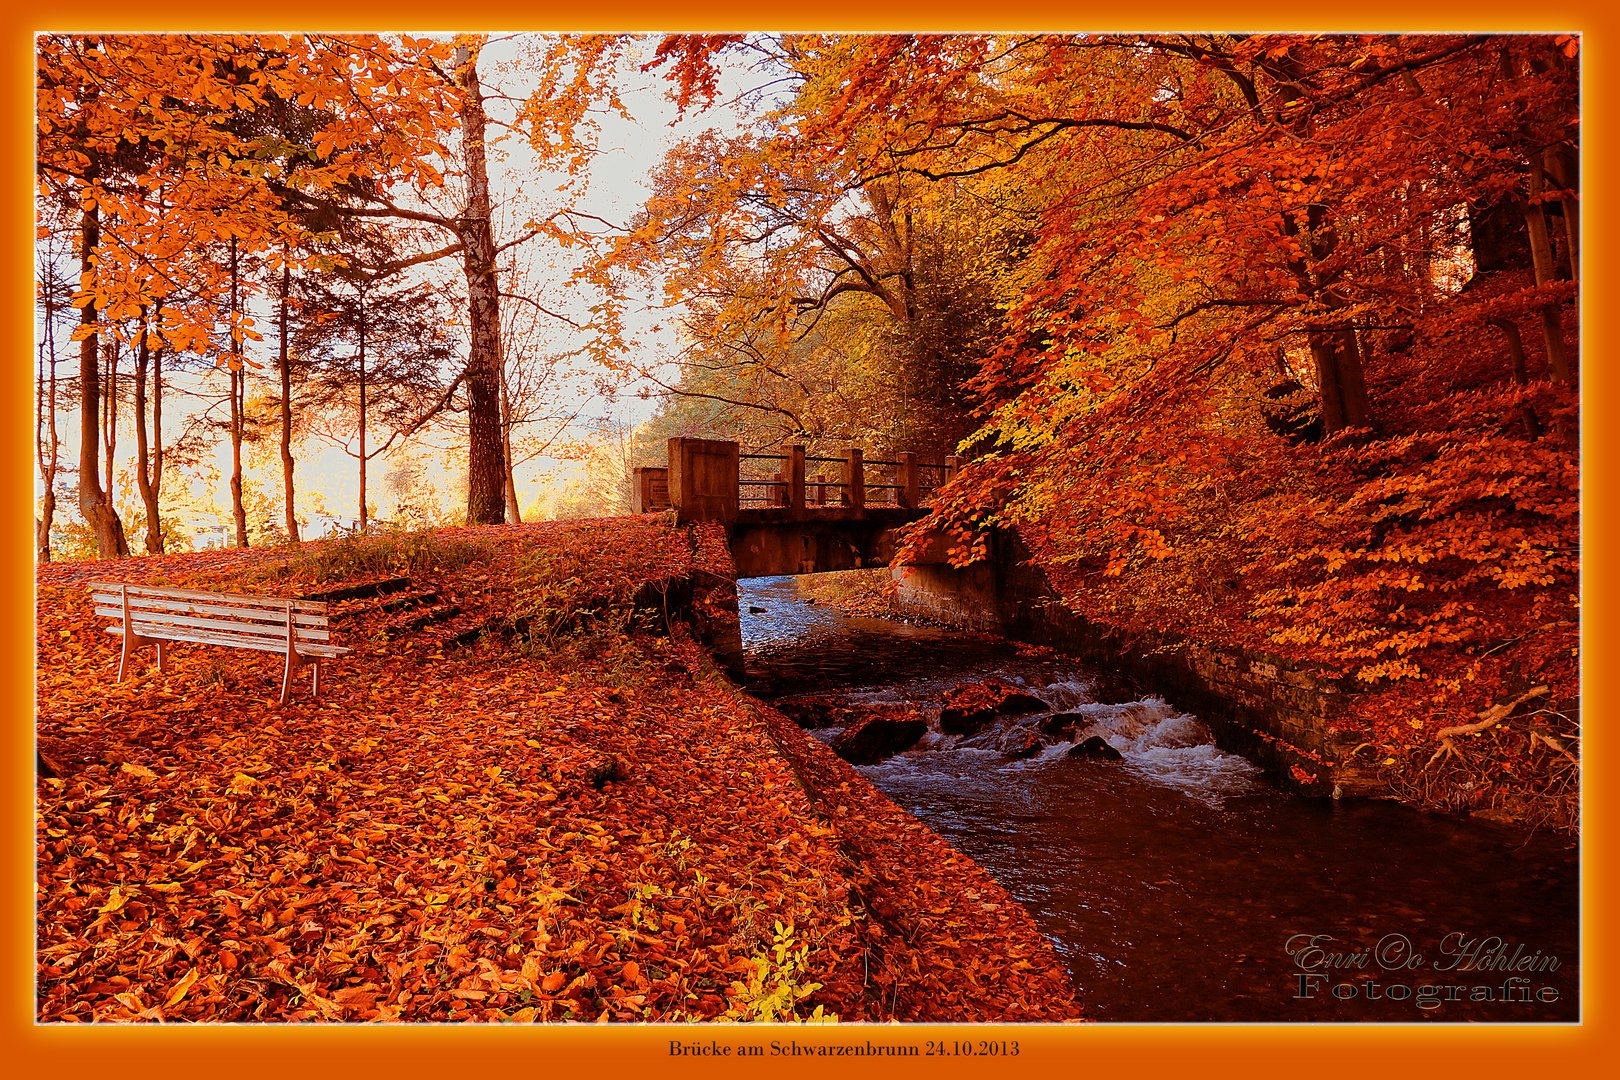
[[555, 598], [388, 551], [774, 985]]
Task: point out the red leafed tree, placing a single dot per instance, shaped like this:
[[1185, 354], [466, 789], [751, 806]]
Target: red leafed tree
[[1286, 357], [144, 136]]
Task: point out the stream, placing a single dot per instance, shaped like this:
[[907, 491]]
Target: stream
[[1178, 883]]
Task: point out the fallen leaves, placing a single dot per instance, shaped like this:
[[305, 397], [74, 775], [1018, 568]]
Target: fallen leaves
[[591, 826]]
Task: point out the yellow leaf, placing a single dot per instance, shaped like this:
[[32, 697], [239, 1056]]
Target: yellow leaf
[[493, 772], [137, 770], [186, 982], [241, 784]]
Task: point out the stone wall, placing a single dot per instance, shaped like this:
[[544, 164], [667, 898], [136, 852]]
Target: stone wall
[[1279, 714]]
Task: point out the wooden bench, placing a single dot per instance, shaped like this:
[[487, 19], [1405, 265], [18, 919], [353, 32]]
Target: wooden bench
[[149, 615]]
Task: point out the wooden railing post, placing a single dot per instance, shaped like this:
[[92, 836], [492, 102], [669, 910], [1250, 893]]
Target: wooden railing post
[[855, 478], [703, 475], [952, 464], [910, 483], [649, 489], [793, 472]]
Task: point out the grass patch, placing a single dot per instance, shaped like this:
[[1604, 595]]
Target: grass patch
[[385, 553]]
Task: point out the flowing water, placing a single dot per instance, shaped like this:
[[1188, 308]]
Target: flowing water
[[1178, 883]]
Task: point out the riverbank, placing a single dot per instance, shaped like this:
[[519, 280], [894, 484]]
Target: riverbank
[[1173, 878], [1316, 728], [524, 802]]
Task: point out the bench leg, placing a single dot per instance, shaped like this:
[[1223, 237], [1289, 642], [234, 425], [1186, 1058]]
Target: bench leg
[[163, 657], [287, 676], [123, 656], [315, 680]]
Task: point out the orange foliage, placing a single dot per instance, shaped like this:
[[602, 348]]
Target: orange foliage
[[1251, 385], [590, 825], [154, 133]]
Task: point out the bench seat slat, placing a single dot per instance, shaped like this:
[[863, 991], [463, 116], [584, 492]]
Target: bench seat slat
[[240, 641], [169, 632], [259, 629], [261, 613], [114, 587]]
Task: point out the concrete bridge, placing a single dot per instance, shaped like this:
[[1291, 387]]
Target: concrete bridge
[[791, 513]]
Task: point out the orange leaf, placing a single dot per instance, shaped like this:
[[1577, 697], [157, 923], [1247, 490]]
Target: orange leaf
[[186, 982]]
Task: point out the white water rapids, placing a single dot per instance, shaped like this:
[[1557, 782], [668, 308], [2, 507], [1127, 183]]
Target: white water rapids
[[1170, 881]]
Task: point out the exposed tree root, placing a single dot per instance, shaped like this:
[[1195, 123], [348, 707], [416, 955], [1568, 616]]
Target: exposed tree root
[[1487, 719], [1536, 736]]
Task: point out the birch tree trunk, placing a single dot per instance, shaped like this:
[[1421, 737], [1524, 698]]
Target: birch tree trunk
[[486, 458]]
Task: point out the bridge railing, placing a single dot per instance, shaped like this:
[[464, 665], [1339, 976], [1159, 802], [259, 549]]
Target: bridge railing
[[796, 480], [712, 479]]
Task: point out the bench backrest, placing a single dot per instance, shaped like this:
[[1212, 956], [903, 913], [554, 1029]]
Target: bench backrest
[[252, 622]]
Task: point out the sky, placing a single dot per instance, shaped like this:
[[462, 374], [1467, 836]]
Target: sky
[[327, 478]]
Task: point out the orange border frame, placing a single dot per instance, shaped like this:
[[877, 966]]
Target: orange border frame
[[1204, 1051]]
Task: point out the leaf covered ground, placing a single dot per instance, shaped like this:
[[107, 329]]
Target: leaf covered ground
[[581, 821]]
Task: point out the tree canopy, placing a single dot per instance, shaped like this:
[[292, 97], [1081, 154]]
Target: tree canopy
[[1264, 338]]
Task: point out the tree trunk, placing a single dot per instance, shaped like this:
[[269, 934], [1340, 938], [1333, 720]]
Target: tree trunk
[[95, 503], [486, 459], [1563, 165], [1521, 374], [1343, 389], [362, 412], [1552, 324], [109, 413], [513, 513], [47, 443], [238, 510], [285, 359], [42, 526], [1338, 372], [143, 456], [157, 441], [238, 374], [1335, 350]]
